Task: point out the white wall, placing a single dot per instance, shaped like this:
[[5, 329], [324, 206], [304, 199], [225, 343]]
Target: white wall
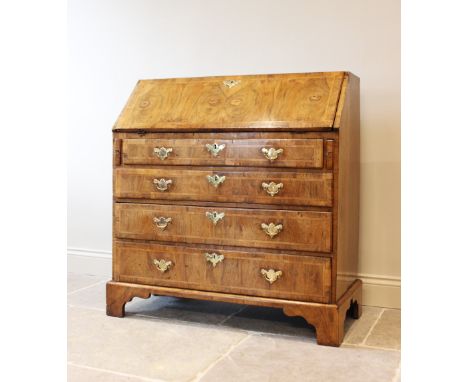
[[113, 43]]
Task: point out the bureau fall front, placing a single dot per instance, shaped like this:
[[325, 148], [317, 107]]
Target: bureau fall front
[[242, 189]]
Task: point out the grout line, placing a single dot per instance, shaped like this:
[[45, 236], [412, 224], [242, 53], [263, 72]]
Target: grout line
[[116, 373], [232, 314], [201, 324], [288, 337], [86, 287], [173, 320], [370, 347], [202, 373], [247, 331], [176, 321], [170, 320], [372, 327], [86, 307]]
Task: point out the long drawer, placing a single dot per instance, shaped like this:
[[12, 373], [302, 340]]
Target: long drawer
[[305, 278], [296, 230], [298, 153], [226, 185]]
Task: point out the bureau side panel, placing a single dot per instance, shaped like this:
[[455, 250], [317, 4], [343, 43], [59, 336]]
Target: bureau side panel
[[116, 162], [347, 246]]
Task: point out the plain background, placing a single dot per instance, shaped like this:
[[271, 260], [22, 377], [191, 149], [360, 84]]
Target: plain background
[[114, 43], [33, 191]]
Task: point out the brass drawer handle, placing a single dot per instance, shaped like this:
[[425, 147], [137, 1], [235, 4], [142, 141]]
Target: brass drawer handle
[[162, 152], [215, 149], [162, 222], [163, 265], [162, 184], [271, 229], [271, 153], [271, 275], [214, 258], [272, 188], [215, 179], [215, 216]]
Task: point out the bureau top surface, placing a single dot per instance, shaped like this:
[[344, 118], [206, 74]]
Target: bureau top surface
[[303, 101]]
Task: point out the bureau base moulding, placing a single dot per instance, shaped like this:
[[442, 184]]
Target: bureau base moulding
[[327, 319]]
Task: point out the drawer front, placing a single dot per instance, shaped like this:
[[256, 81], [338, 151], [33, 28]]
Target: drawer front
[[298, 153], [264, 187], [296, 230], [305, 278]]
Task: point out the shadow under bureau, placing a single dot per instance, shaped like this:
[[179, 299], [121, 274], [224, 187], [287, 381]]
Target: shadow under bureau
[[243, 189]]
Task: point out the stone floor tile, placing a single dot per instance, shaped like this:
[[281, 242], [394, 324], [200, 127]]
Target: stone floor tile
[[357, 330], [82, 374], [387, 331], [181, 309], [145, 347], [278, 359], [92, 297], [205, 312], [77, 281], [270, 320]]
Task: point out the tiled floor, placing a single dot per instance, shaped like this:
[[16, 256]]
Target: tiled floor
[[170, 339]]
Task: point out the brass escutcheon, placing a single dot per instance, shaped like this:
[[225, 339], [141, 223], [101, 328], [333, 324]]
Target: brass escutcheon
[[162, 184], [215, 179], [215, 148], [162, 222], [272, 188], [214, 258], [162, 152], [215, 216], [271, 275], [271, 229], [231, 83], [271, 153], [162, 265]]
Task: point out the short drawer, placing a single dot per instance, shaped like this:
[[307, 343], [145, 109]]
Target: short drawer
[[298, 153], [305, 278], [225, 185], [296, 230]]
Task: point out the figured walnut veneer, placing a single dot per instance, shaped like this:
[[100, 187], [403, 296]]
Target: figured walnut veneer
[[242, 189]]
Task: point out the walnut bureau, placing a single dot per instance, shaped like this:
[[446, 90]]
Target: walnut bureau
[[242, 189]]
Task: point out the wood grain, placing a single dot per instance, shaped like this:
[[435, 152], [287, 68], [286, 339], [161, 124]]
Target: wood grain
[[347, 187], [299, 101], [314, 119], [328, 320], [298, 188], [328, 154], [297, 153], [305, 278], [302, 230], [213, 135]]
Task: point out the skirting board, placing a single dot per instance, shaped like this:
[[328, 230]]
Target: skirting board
[[378, 290]]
